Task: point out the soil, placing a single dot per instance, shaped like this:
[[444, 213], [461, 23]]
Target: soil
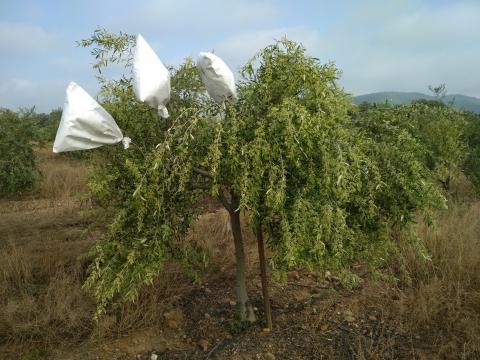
[[313, 319], [314, 316]]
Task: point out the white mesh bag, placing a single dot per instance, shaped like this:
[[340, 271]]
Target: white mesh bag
[[151, 79], [217, 77], [85, 124]]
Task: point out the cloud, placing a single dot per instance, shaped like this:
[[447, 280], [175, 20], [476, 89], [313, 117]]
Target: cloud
[[237, 49], [15, 85], [379, 45], [406, 46], [17, 93], [401, 45], [23, 39], [216, 18]]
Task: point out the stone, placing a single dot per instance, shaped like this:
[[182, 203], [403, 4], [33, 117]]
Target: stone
[[323, 285], [153, 356], [320, 295], [204, 344], [327, 275], [348, 316], [335, 279], [349, 319], [174, 318], [269, 356], [294, 275]]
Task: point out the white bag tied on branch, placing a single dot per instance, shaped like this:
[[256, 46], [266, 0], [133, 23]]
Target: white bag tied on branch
[[85, 124], [151, 79], [217, 77]]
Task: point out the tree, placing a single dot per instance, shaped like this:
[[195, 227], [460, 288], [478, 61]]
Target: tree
[[47, 125], [437, 128], [439, 91], [440, 130], [287, 154], [400, 165], [471, 137], [18, 162]]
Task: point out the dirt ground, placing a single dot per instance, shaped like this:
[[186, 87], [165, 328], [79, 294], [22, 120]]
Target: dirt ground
[[45, 314]]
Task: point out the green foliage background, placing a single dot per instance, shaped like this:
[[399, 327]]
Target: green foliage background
[[18, 162], [471, 137]]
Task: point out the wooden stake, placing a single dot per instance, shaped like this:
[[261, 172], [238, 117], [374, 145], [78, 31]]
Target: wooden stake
[[263, 274]]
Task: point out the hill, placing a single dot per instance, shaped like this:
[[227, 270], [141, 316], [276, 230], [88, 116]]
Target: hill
[[396, 97]]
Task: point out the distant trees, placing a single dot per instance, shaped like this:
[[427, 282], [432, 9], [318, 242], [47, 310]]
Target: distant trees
[[437, 128], [47, 125], [18, 162], [471, 137]]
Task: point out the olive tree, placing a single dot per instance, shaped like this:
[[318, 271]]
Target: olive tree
[[286, 153]]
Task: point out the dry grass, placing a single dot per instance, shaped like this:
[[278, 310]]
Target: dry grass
[[42, 302], [212, 232], [438, 314], [44, 238], [63, 177], [446, 295]]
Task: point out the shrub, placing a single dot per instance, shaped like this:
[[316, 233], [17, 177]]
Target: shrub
[[438, 129], [47, 125], [18, 163], [472, 139]]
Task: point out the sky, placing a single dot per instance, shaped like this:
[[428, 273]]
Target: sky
[[379, 45]]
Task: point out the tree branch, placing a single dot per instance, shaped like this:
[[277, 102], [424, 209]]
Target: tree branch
[[223, 199]]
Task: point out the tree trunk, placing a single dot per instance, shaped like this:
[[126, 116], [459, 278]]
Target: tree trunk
[[445, 183], [245, 308], [263, 274]]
